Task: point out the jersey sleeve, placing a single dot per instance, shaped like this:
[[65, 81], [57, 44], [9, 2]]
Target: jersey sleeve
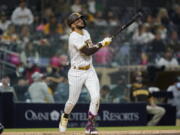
[[78, 42]]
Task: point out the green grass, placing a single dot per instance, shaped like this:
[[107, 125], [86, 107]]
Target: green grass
[[100, 128]]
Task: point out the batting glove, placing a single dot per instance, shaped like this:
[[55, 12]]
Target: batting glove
[[106, 41]]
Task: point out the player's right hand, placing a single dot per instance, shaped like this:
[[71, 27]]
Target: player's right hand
[[106, 41]]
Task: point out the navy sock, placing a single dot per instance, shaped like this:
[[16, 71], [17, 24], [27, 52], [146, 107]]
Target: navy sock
[[66, 115]]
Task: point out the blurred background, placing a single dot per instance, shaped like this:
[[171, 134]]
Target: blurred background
[[35, 40]]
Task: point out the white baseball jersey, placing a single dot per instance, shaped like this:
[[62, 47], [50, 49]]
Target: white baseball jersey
[[76, 42]]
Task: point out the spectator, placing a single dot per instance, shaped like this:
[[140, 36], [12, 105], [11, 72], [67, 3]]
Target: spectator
[[10, 36], [133, 27], [29, 52], [4, 22], [112, 19], [122, 53], [156, 47], [99, 19], [47, 13], [25, 36], [92, 6], [105, 95], [6, 86], [64, 60], [162, 30], [163, 17], [174, 41], [168, 60], [22, 15], [150, 21], [141, 94], [38, 90], [76, 6], [53, 27], [144, 59], [175, 101], [19, 73], [53, 77], [21, 89], [176, 18], [142, 35], [120, 92]]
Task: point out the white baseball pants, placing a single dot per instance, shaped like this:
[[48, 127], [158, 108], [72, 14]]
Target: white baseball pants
[[78, 78]]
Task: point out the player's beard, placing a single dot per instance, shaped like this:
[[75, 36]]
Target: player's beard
[[82, 26]]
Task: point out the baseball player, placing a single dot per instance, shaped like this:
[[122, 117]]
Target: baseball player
[[82, 71]]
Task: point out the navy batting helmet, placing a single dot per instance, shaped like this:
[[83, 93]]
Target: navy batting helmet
[[73, 17]]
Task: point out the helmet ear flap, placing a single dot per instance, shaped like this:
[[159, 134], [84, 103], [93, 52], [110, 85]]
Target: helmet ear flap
[[84, 20]]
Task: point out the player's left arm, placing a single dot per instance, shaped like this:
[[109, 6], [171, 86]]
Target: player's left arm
[[91, 49]]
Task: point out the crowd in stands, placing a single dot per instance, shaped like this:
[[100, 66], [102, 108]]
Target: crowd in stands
[[36, 42]]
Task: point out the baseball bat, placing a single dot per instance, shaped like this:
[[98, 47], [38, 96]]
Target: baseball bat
[[132, 20]]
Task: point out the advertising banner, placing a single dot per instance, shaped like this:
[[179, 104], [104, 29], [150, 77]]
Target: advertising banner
[[47, 115]]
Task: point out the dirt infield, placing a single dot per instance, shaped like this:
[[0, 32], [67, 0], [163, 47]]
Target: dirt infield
[[145, 132]]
